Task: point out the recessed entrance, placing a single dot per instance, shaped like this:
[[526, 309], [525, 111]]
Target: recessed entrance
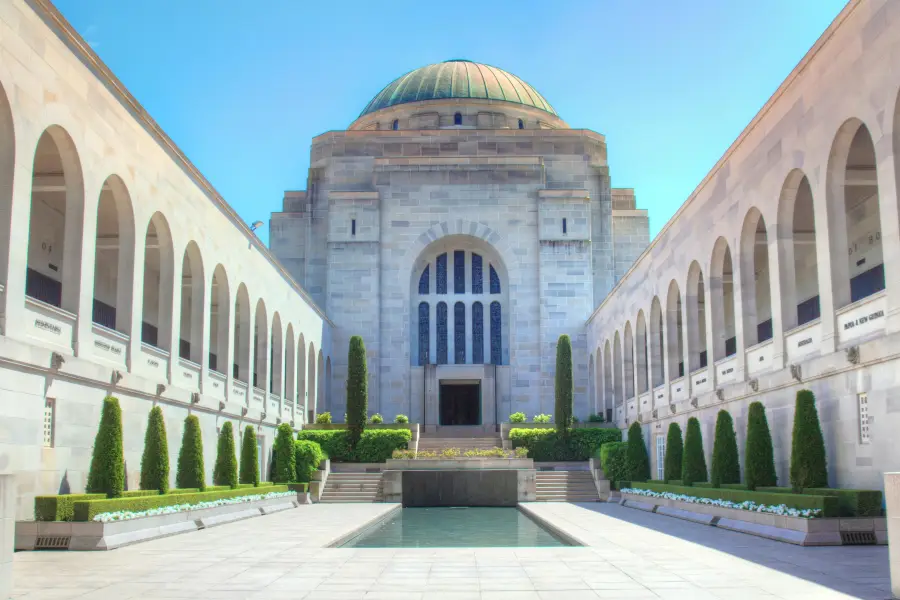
[[460, 403]]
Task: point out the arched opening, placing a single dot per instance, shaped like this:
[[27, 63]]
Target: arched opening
[[657, 369], [598, 382], [241, 369], [618, 370], [643, 380], [192, 300], [114, 257], [301, 377], [276, 358], [591, 388], [696, 314], [311, 383], [7, 167], [395, 125], [219, 321], [755, 283], [608, 389], [721, 288], [260, 346], [674, 332], [321, 400], [521, 124], [629, 362], [797, 252], [290, 365], [159, 280], [55, 226], [457, 119]]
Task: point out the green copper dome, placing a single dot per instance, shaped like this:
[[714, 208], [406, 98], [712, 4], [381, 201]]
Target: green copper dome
[[457, 79]]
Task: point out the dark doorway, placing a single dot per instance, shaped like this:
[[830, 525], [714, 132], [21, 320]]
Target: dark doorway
[[460, 403]]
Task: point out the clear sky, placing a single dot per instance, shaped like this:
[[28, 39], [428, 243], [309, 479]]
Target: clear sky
[[242, 89]]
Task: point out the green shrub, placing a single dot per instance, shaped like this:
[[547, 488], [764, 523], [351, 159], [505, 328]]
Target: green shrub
[[808, 465], [107, 474], [564, 385], [851, 503], [87, 510], [374, 446], [707, 484], [595, 418], [541, 418], [377, 419], [186, 491], [693, 466], [638, 460], [357, 389], [759, 458], [225, 471], [674, 453], [545, 445], [285, 455], [517, 417], [725, 466], [221, 488], [249, 458], [401, 419], [614, 462], [139, 493], [155, 461], [60, 508], [299, 487], [827, 504], [307, 456], [323, 418], [191, 473], [677, 482]]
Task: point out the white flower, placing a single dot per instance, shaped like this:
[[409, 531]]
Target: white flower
[[778, 509], [124, 515]]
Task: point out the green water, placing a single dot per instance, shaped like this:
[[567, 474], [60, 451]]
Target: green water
[[464, 527]]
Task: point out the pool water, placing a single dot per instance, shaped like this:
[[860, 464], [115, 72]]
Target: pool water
[[451, 527]]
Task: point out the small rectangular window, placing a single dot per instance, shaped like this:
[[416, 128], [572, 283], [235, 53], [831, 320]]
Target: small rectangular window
[[564, 227], [353, 227], [49, 421], [863, 400]]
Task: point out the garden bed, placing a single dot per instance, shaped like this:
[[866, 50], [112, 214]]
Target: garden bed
[[460, 463]]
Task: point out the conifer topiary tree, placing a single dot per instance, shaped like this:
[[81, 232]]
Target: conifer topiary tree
[[725, 465], [759, 459], [225, 471], [357, 389], [565, 387], [285, 459], [249, 457], [155, 461], [637, 459], [808, 463], [190, 458], [693, 466], [107, 474], [674, 452]]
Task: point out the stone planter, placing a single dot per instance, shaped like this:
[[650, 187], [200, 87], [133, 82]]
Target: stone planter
[[91, 535], [505, 427], [459, 481], [793, 530]]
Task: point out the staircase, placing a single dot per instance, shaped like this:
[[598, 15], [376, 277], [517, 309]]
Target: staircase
[[352, 487], [565, 486], [482, 442]]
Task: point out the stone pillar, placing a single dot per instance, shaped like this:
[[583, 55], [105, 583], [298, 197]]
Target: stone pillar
[[7, 533], [892, 502]]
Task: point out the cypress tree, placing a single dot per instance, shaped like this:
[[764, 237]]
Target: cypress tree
[[155, 461], [284, 457], [759, 460], [693, 466], [564, 385], [357, 389], [225, 471], [637, 459], [190, 458], [107, 474], [674, 452], [725, 465], [249, 457], [808, 463]]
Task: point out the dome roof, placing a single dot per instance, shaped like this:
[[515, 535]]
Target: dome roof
[[457, 79]]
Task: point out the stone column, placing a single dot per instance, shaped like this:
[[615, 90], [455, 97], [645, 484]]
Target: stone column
[[892, 501], [7, 533], [85, 294]]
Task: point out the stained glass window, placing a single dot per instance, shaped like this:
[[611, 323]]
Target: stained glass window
[[442, 333], [495, 281], [442, 274], [496, 348], [477, 279], [424, 333], [425, 281], [459, 271], [477, 334], [459, 333]]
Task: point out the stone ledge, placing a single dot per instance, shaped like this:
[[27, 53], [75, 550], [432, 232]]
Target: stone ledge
[[687, 515]]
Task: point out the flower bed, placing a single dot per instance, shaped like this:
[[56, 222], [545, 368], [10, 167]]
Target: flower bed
[[124, 515], [827, 504], [458, 453], [749, 505]]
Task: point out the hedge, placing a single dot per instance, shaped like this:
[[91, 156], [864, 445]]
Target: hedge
[[139, 493], [249, 458], [710, 485], [225, 470], [614, 462], [759, 458], [564, 386], [284, 458], [827, 504], [60, 508], [374, 446], [357, 389], [308, 455], [107, 473], [547, 445], [638, 460], [674, 452], [155, 460], [87, 510], [808, 464], [725, 465], [851, 503]]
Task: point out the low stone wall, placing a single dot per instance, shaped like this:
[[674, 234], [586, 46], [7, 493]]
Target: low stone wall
[[7, 533], [892, 501], [92, 535], [505, 427], [459, 482], [428, 464], [793, 530]]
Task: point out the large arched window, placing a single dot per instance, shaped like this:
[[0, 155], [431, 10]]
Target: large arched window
[[424, 333], [755, 286], [721, 291], [442, 341], [674, 333], [114, 258], [219, 321], [797, 248], [159, 276]]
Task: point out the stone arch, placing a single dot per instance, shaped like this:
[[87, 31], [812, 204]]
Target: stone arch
[[242, 335], [276, 357], [7, 168], [159, 283], [657, 369], [219, 321], [114, 257], [797, 254], [721, 297], [641, 354], [260, 346], [674, 332], [190, 345], [755, 279]]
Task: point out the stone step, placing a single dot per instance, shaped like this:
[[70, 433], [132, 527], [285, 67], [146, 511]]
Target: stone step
[[567, 499]]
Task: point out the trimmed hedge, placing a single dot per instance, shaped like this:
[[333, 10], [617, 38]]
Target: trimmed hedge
[[725, 465], [191, 473], [155, 460], [107, 472], [87, 510], [851, 503], [674, 452], [60, 508], [638, 460], [808, 464], [693, 466], [357, 389], [249, 458], [308, 455], [709, 485], [614, 462], [564, 386], [374, 446], [547, 445], [225, 470], [759, 458], [139, 493], [827, 504], [284, 455]]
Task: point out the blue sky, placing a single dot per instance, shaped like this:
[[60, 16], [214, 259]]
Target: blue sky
[[242, 90]]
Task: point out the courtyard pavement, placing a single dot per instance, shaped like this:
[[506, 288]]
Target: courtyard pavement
[[630, 555]]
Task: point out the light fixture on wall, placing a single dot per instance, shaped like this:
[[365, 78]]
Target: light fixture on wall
[[256, 225]]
